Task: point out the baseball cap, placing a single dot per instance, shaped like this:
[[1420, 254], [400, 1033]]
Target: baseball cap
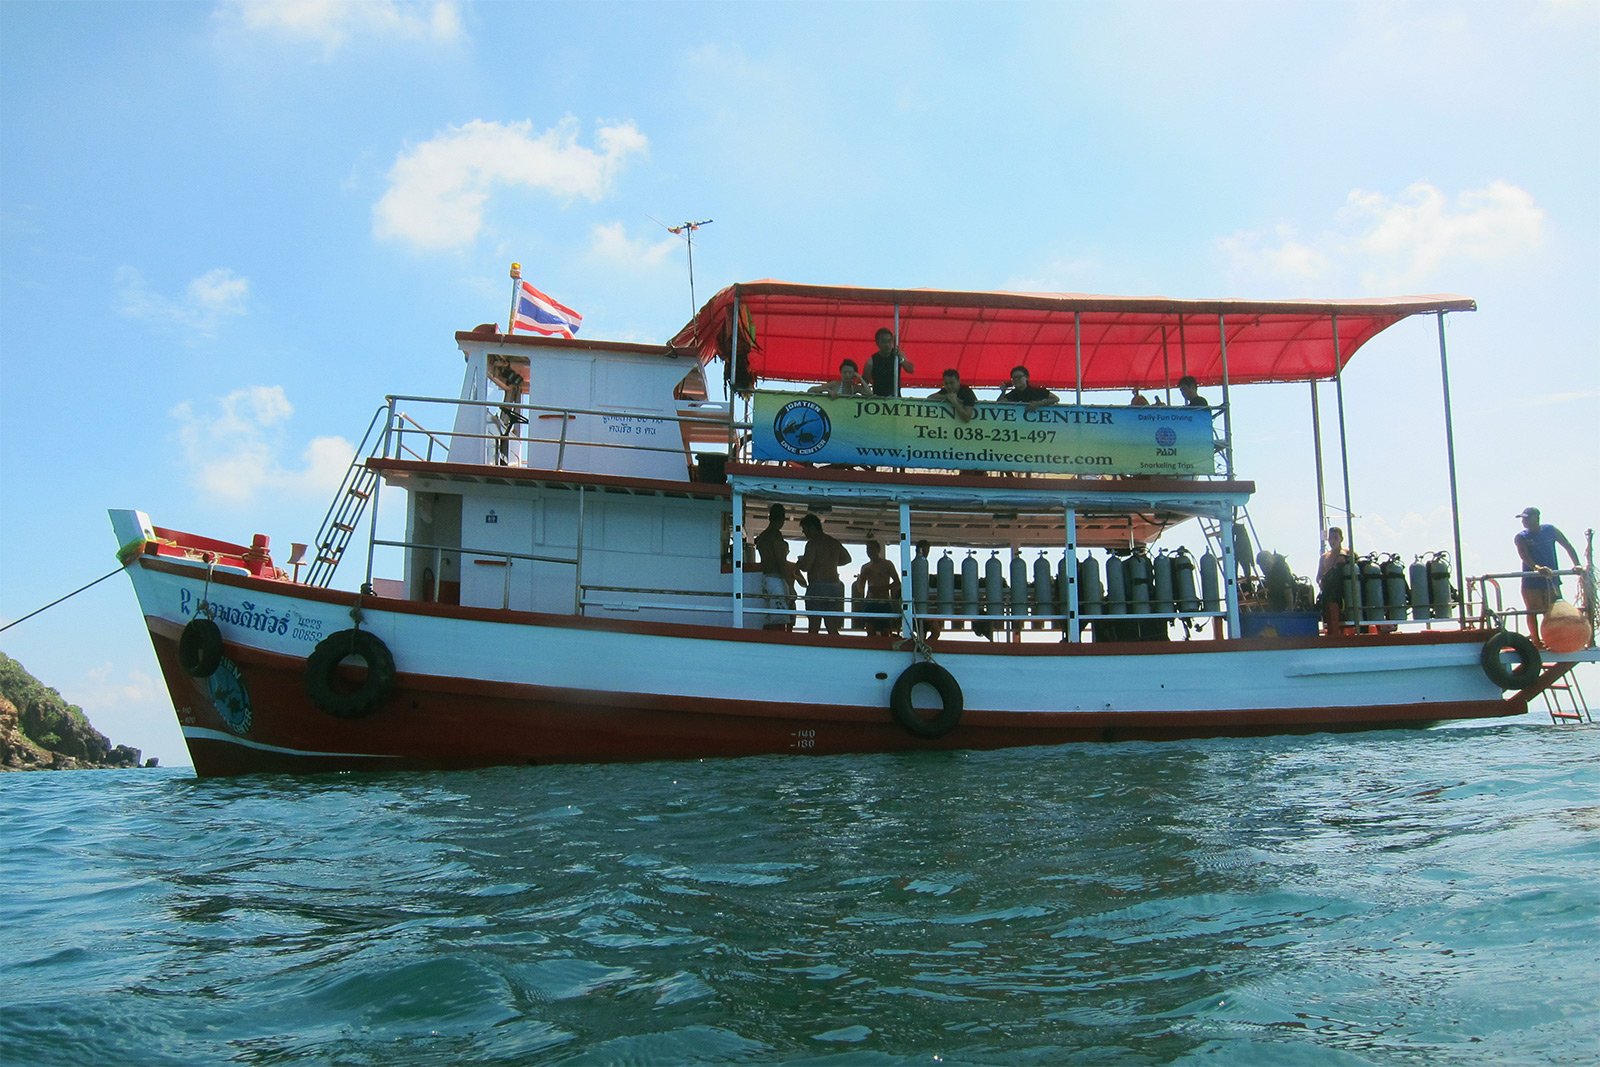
[[1525, 512]]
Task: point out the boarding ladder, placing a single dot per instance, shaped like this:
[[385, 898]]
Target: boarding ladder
[[1565, 702], [344, 514]]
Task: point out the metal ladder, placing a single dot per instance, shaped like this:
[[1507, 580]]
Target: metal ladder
[[1565, 702], [349, 502]]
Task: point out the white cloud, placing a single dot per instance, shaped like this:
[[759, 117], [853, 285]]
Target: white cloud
[[332, 23], [438, 189], [207, 300], [611, 244], [233, 448], [106, 689], [1395, 244]]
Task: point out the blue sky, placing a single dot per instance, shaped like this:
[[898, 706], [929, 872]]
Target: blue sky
[[227, 231]]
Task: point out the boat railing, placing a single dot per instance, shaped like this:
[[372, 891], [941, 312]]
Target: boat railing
[[498, 440], [1490, 598]]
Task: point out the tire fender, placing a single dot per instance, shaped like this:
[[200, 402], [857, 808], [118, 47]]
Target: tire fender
[[944, 683], [1508, 676], [200, 648], [322, 669]]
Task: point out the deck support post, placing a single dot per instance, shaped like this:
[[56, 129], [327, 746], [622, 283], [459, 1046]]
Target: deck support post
[[377, 489], [1077, 351], [737, 548], [1230, 570], [908, 615], [1070, 529], [1322, 489], [1450, 457]]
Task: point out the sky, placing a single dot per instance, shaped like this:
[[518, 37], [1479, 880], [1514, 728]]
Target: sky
[[228, 230]]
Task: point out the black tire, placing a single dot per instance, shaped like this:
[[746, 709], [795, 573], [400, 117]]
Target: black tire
[[1506, 676], [200, 648], [944, 683], [322, 670]]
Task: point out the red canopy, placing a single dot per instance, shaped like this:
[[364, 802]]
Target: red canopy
[[802, 332]]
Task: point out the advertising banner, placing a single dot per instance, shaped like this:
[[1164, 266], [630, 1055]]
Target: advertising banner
[[905, 432]]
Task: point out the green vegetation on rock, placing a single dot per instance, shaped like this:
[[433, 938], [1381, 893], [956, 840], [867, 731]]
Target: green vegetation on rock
[[41, 731]]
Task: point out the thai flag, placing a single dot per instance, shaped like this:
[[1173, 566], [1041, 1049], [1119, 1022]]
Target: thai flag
[[538, 313]]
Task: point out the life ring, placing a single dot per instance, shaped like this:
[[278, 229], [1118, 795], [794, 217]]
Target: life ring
[[322, 670], [925, 672], [1506, 676], [200, 648]]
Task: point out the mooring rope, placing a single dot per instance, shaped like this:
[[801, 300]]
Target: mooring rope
[[53, 603]]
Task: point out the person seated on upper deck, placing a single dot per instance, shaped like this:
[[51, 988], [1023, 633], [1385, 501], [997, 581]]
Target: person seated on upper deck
[[884, 365], [957, 397], [848, 383], [1190, 390], [1139, 400], [877, 590], [1022, 393]]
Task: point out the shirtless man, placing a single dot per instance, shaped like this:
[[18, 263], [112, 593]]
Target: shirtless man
[[820, 563], [776, 590], [877, 589]]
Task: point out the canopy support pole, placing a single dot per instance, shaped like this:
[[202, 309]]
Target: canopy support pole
[[1450, 455], [1322, 489], [1352, 611], [1227, 408], [727, 382], [1077, 351]]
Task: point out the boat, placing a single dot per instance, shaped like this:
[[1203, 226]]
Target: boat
[[578, 578]]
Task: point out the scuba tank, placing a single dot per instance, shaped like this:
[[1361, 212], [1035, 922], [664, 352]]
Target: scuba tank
[[1091, 594], [1349, 580], [994, 584], [1116, 587], [1439, 584], [969, 586], [1371, 589], [1044, 587], [1210, 582], [1141, 576], [919, 583], [1394, 587], [1017, 604], [944, 580], [1183, 589], [1064, 582], [1163, 602], [1420, 602]]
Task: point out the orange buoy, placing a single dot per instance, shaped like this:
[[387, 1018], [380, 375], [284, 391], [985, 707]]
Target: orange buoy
[[1564, 629]]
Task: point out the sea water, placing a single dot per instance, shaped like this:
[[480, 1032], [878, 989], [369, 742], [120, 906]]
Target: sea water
[[1428, 897]]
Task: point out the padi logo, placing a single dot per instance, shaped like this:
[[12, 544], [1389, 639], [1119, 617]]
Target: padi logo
[[1166, 437], [802, 427]]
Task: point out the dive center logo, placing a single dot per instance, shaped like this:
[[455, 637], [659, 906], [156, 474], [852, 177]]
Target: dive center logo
[[1166, 437], [802, 427], [231, 697]]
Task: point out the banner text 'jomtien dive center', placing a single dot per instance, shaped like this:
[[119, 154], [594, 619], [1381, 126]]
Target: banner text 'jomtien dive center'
[[1059, 439]]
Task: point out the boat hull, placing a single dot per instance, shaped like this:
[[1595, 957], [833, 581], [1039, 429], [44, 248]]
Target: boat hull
[[476, 688]]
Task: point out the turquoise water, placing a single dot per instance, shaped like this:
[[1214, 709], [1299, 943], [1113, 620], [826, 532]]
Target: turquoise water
[[1398, 897]]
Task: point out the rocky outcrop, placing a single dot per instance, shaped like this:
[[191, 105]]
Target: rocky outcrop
[[39, 731]]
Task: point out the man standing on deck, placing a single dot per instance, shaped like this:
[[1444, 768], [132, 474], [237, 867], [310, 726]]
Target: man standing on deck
[[777, 593], [877, 589], [1536, 546], [884, 365], [820, 563], [1189, 389]]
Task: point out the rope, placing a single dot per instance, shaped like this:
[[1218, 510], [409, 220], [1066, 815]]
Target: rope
[[918, 645], [69, 596]]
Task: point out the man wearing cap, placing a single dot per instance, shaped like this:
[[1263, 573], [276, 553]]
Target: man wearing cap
[[1536, 545]]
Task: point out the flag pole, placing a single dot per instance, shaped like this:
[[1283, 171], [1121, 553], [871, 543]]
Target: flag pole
[[516, 291]]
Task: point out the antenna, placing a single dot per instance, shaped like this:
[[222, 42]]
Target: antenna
[[687, 231]]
